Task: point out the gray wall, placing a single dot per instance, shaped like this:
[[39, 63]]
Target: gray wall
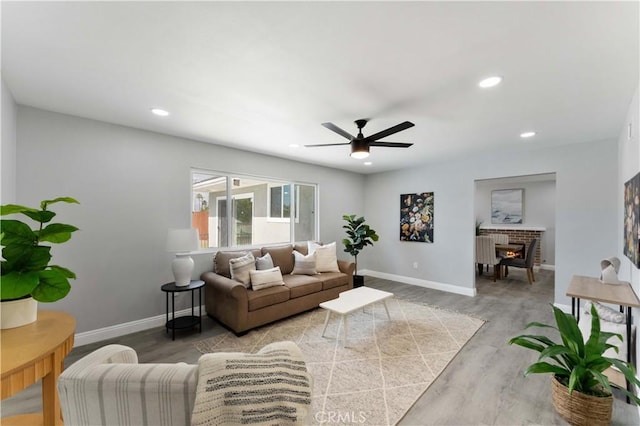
[[629, 161], [586, 212], [133, 185], [8, 148], [539, 207]]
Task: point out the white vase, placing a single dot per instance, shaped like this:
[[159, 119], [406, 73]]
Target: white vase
[[16, 313]]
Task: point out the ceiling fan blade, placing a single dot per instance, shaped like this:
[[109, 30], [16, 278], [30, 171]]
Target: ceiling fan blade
[[391, 144], [328, 144], [391, 130], [338, 130]]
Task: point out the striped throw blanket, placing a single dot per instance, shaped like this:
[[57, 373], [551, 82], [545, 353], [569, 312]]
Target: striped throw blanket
[[271, 387]]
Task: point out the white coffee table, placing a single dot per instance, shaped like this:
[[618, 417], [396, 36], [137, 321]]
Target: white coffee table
[[352, 300]]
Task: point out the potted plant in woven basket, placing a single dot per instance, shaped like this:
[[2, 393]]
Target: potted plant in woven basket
[[580, 392]]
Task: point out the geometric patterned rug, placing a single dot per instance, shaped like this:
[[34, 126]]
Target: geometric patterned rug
[[385, 368]]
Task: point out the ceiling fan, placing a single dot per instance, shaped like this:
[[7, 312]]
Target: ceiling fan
[[360, 144]]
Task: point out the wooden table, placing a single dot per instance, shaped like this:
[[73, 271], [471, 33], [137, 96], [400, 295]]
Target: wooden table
[[590, 288], [33, 352]]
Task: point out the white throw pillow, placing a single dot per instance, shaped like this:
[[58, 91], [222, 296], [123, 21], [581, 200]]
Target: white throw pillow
[[304, 265], [266, 278], [326, 258], [605, 313], [240, 268]]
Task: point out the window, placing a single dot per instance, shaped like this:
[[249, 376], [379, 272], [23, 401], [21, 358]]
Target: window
[[232, 210], [280, 202]]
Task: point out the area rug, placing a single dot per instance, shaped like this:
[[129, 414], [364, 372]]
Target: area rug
[[384, 368]]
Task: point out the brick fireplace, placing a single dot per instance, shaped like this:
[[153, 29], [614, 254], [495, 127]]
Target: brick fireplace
[[521, 234]]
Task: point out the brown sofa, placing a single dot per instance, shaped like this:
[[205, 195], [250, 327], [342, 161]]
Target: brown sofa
[[242, 309]]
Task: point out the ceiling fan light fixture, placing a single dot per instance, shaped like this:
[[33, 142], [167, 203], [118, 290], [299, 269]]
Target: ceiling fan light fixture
[[359, 155], [359, 149]]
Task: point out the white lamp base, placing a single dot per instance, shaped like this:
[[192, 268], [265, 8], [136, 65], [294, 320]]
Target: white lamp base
[[182, 267]]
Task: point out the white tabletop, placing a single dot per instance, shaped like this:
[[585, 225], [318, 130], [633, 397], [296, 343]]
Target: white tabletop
[[351, 300]]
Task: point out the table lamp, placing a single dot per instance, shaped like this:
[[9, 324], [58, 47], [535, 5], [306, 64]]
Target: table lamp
[[182, 242]]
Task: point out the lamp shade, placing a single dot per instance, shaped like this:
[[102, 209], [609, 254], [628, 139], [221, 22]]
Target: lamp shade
[[182, 240]]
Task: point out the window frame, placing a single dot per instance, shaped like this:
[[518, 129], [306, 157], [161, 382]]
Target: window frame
[[294, 188]]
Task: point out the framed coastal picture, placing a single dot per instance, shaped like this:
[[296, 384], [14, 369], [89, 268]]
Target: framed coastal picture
[[632, 220], [416, 217], [506, 206]]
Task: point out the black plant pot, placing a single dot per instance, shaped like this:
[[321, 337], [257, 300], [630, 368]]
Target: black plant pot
[[358, 281]]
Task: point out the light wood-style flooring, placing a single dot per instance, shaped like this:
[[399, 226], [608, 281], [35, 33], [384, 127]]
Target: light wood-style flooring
[[483, 385]]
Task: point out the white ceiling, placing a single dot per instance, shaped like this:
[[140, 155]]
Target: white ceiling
[[260, 76]]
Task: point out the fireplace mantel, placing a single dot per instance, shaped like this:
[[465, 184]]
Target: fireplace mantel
[[514, 227]]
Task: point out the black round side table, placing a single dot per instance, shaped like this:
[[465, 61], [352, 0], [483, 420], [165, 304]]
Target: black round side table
[[186, 321]]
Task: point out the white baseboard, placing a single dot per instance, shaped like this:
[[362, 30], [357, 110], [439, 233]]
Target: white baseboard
[[465, 291], [118, 330], [548, 267]]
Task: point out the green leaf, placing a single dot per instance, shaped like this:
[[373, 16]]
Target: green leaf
[[14, 208], [545, 367], [64, 271], [53, 286], [56, 233], [15, 285], [45, 203], [526, 343], [41, 216], [26, 258], [569, 331], [16, 232]]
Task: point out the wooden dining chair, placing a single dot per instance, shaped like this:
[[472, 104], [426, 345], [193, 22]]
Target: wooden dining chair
[[526, 263], [486, 255]]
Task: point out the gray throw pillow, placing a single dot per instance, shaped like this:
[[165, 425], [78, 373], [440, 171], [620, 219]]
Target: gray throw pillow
[[304, 265], [264, 262]]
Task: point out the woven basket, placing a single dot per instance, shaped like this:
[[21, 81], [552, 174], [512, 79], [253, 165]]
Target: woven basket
[[579, 409]]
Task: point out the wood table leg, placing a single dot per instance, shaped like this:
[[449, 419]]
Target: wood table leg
[[51, 412]]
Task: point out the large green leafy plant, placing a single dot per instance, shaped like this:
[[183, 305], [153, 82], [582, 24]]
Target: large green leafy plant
[[576, 364], [359, 235], [25, 265]]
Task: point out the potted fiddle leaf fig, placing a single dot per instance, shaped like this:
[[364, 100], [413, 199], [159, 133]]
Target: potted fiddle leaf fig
[[580, 392], [359, 236], [26, 273]]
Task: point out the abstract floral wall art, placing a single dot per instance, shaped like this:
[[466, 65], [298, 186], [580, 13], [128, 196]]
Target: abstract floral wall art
[[632, 219], [416, 217]]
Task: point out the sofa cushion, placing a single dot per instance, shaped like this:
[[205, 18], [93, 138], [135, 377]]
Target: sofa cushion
[[333, 279], [264, 262], [221, 261], [304, 265], [282, 256], [266, 278], [301, 285], [268, 296]]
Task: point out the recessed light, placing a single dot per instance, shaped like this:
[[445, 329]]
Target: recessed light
[[527, 135], [368, 163], [294, 145], [490, 82], [159, 112]]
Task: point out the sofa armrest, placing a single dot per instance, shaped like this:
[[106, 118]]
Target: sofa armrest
[[99, 389], [346, 266], [226, 300]]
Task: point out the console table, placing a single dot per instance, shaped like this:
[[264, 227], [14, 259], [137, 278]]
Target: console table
[[32, 352], [590, 288]]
